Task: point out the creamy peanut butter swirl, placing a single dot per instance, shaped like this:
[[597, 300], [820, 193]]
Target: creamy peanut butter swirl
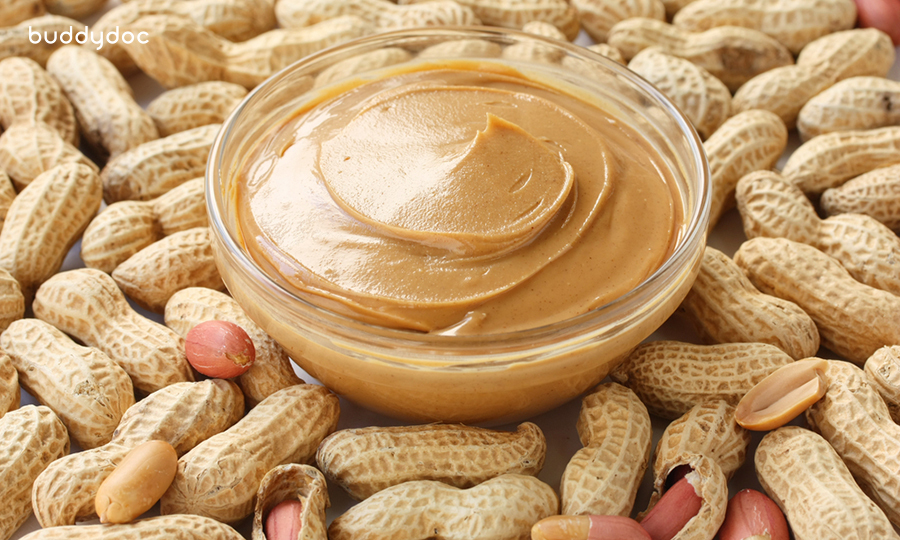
[[456, 200]]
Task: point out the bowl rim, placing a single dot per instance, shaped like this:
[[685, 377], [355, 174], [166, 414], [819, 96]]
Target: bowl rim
[[616, 311]]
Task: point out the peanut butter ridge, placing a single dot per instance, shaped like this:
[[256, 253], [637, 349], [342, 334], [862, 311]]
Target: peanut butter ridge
[[457, 199]]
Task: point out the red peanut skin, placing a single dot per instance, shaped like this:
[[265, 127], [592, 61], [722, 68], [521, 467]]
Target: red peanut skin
[[219, 349], [881, 14], [751, 513], [284, 521]]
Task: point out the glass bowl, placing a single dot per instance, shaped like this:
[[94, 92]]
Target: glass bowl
[[472, 379]]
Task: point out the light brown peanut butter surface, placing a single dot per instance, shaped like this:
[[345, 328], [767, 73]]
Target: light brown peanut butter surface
[[459, 198]]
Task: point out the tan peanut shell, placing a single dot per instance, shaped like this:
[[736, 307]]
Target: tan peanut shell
[[854, 419], [796, 466], [104, 104], [14, 40], [516, 13], [606, 50], [177, 527], [503, 507], [709, 483], [368, 460], [220, 476], [772, 207], [272, 370], [13, 12], [7, 194], [385, 15], [725, 307], [29, 94], [75, 9], [302, 483], [536, 51], [748, 141], [731, 54], [32, 437], [462, 48], [821, 64], [154, 168], [794, 23], [829, 160], [708, 429], [234, 20], [84, 387], [883, 374], [853, 319], [88, 305], [603, 477], [361, 63], [182, 414], [10, 392], [44, 222], [702, 97], [670, 377], [29, 149], [184, 259], [194, 106], [598, 16], [126, 227], [180, 52], [875, 193], [852, 104], [12, 301]]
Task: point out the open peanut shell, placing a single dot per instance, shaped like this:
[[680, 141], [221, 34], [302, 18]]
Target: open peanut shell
[[298, 482]]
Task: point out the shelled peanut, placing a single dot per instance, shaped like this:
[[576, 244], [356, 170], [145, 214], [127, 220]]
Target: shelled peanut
[[180, 52], [368, 460], [29, 94], [772, 207], [820, 65], [731, 54], [112, 122], [272, 370], [670, 377], [84, 387], [850, 316], [794, 23], [88, 305], [182, 414], [875, 193], [603, 477], [124, 228]]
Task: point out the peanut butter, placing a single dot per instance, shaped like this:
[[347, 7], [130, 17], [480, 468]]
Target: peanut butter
[[458, 198]]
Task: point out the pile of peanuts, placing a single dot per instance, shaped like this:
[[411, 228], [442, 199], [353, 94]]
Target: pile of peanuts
[[261, 455]]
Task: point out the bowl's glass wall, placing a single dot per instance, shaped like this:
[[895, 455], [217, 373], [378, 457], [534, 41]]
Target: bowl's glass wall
[[452, 378]]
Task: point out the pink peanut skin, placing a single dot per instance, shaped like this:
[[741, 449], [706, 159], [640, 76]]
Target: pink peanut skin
[[284, 521], [750, 514]]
